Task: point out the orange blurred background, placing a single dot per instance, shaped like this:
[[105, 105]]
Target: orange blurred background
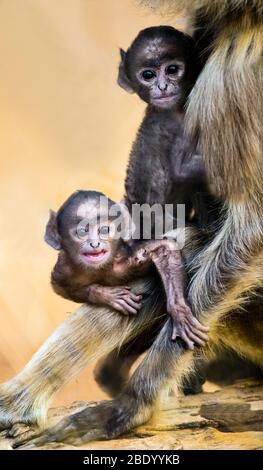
[[65, 125]]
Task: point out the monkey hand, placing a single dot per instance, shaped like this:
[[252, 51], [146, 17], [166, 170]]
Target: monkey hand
[[186, 326], [123, 300], [140, 256], [150, 252]]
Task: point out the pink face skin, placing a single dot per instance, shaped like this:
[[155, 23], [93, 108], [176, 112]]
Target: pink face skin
[[162, 82], [94, 244]]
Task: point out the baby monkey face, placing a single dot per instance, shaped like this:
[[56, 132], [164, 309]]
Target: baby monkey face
[[85, 228], [94, 241], [160, 66], [159, 82]]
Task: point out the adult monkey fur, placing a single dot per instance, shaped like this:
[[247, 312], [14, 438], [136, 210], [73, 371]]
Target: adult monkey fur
[[225, 117]]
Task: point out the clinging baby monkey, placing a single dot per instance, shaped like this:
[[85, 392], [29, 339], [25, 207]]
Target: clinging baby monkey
[[94, 263], [161, 67]]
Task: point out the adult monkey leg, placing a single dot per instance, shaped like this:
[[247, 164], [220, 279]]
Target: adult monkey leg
[[165, 360], [82, 338], [112, 371], [132, 407]]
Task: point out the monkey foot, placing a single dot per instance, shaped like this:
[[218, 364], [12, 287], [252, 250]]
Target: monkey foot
[[107, 420], [14, 409], [16, 430]]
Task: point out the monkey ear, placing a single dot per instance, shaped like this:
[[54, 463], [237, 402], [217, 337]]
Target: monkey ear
[[122, 54], [123, 80], [51, 236]]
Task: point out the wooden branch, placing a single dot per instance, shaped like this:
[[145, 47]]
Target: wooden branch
[[230, 418]]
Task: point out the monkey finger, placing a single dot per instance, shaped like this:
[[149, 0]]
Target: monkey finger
[[19, 428], [196, 331], [64, 432], [197, 324], [127, 307], [30, 444], [121, 291], [119, 308], [58, 433], [193, 337], [175, 333], [125, 295], [190, 345], [135, 297], [27, 436], [135, 304]]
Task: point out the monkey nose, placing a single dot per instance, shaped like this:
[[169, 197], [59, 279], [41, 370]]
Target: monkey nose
[[162, 87], [94, 244]]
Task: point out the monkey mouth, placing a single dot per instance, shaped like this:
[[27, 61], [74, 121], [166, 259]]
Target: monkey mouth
[[165, 99], [94, 257]]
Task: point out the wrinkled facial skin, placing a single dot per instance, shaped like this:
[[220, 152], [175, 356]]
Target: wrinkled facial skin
[[158, 74]]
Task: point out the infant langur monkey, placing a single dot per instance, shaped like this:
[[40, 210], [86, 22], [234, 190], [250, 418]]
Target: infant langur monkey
[[161, 67], [93, 263]]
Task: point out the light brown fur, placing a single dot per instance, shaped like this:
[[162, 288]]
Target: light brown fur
[[224, 116]]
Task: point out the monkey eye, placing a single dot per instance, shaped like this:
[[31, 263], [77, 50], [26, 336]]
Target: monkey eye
[[172, 69], [104, 230], [84, 230], [148, 74]]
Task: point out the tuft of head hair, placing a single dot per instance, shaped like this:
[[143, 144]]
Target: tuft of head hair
[[168, 34], [78, 197]]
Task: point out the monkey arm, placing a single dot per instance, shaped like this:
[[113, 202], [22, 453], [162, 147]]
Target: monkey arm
[[167, 258], [64, 280], [120, 298], [187, 167], [193, 170], [67, 287]]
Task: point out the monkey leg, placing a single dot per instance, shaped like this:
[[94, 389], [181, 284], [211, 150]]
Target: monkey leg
[[112, 371], [242, 332], [82, 338], [133, 406], [165, 361]]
